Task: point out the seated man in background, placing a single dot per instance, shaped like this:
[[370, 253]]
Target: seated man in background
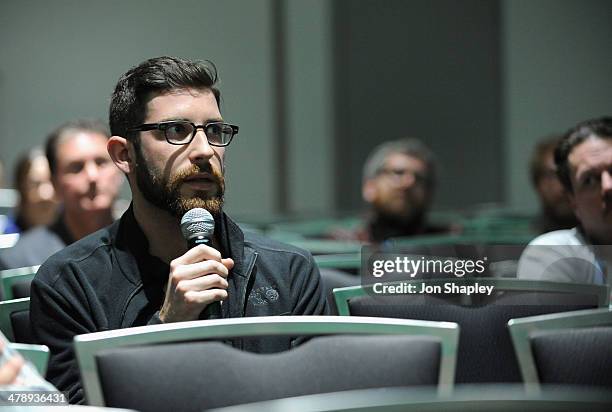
[[169, 139], [86, 183], [581, 254], [399, 178], [555, 210]]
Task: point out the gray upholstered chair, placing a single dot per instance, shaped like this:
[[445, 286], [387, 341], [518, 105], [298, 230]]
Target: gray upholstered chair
[[333, 279], [176, 366], [15, 320], [485, 354], [572, 348], [10, 277]]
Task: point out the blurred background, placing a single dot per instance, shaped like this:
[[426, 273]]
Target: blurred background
[[315, 85]]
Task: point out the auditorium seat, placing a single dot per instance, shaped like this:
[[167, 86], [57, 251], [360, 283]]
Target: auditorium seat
[[485, 352], [176, 366], [468, 398], [15, 320], [10, 277], [21, 288], [572, 348], [332, 279]]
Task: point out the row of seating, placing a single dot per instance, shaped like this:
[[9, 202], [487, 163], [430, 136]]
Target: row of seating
[[15, 283], [471, 355], [484, 339], [363, 353], [480, 398]]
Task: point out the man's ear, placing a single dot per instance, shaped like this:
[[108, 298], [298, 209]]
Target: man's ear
[[118, 150], [369, 190]]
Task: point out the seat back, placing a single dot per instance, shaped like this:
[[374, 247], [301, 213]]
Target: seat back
[[15, 320], [332, 279], [589, 352], [565, 348], [324, 364], [21, 288], [20, 321], [10, 277], [434, 350], [486, 353]]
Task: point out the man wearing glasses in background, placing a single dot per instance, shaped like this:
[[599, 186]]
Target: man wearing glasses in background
[[169, 139], [399, 179]]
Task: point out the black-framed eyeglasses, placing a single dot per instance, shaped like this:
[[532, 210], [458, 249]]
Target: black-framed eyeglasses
[[181, 132], [397, 174]]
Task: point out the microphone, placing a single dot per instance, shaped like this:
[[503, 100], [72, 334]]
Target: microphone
[[197, 227]]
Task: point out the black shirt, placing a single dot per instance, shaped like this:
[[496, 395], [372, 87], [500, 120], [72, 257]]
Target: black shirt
[[108, 280]]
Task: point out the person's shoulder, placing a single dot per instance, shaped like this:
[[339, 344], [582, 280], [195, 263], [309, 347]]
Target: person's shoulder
[[35, 235], [564, 237], [93, 247], [32, 248]]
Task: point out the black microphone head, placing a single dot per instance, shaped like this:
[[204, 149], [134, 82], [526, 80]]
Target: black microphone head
[[197, 222]]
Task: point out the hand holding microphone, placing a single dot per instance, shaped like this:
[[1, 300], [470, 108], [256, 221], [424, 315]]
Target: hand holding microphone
[[197, 279]]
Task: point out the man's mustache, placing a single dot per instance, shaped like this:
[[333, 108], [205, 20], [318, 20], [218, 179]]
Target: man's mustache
[[195, 170]]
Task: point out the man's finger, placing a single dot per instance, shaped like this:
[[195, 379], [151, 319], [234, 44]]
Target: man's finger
[[199, 269], [228, 263], [198, 254]]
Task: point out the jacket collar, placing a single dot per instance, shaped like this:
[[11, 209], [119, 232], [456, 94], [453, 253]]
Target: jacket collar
[[132, 248], [232, 243]]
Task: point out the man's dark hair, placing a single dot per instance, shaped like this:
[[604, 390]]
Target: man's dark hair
[[157, 75], [537, 165], [68, 129], [600, 127]]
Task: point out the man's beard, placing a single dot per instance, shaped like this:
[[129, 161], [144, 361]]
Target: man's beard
[[165, 193]]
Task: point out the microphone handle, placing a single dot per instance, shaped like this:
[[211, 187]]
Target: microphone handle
[[213, 310]]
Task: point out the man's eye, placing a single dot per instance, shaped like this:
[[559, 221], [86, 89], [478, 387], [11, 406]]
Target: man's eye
[[75, 167], [214, 129], [177, 128], [590, 180]]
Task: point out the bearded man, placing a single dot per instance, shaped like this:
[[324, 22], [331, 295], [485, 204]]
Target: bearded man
[[169, 139]]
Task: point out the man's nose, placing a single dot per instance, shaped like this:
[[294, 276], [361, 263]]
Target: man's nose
[[199, 148], [92, 170], [407, 179], [606, 184]]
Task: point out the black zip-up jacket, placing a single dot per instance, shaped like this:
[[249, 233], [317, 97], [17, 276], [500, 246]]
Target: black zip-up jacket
[[108, 280]]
